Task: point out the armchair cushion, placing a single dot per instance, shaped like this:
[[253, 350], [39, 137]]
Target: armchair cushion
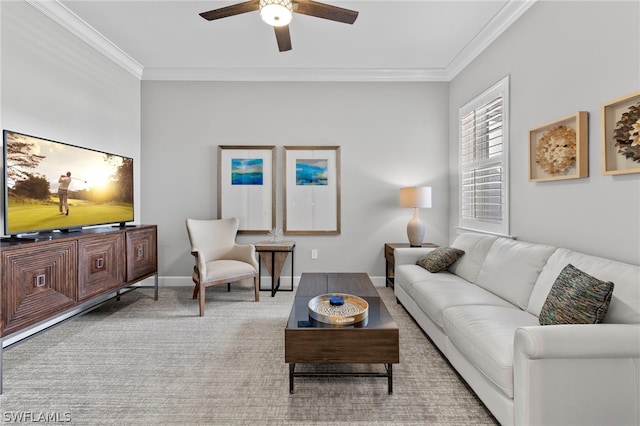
[[214, 240], [226, 270]]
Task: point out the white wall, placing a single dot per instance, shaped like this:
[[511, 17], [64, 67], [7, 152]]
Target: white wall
[[562, 57], [391, 135], [57, 87]]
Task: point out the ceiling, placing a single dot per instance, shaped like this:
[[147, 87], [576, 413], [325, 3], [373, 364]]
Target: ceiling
[[423, 40]]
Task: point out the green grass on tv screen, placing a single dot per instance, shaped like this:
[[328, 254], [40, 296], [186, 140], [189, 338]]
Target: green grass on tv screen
[[26, 215]]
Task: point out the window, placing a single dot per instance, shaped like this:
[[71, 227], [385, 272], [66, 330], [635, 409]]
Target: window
[[483, 154]]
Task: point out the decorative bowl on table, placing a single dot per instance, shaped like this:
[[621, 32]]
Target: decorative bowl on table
[[338, 309]]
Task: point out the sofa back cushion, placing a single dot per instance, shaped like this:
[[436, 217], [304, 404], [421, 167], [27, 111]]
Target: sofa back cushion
[[625, 301], [511, 269], [476, 246]]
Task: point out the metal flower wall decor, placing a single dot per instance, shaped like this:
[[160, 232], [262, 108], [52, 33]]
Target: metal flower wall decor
[[559, 150], [556, 150], [627, 133]]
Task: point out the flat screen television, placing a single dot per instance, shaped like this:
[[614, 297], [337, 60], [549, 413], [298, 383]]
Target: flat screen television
[[51, 185]]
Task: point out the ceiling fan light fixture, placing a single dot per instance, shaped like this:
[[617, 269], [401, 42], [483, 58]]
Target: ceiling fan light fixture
[[277, 13]]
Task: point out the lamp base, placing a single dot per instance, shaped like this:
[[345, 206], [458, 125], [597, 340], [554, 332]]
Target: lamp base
[[415, 230]]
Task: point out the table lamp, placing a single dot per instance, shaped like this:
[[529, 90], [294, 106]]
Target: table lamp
[[416, 197]]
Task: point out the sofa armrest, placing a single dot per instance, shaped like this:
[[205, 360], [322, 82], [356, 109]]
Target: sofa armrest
[[409, 255], [579, 341], [577, 374]]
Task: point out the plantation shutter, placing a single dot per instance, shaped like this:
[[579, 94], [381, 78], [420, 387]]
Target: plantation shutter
[[482, 175]]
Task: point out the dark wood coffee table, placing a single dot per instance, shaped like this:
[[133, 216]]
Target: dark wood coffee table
[[375, 340]]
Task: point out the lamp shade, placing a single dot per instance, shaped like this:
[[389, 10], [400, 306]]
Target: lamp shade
[[416, 197]]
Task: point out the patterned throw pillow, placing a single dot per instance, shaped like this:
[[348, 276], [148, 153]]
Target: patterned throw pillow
[[440, 258], [576, 298]]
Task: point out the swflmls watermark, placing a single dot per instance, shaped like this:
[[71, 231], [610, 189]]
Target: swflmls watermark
[[36, 417]]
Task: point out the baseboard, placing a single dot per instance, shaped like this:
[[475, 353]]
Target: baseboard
[[265, 281]]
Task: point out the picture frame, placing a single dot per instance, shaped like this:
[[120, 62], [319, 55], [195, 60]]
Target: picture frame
[[312, 190], [559, 149], [620, 134], [246, 186]]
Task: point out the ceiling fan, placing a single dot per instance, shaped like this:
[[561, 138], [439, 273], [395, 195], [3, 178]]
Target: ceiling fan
[[278, 13]]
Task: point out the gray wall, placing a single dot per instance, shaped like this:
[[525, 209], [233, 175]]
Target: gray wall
[[57, 87], [562, 57], [391, 135]]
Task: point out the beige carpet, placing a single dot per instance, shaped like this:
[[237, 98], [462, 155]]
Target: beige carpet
[[145, 362]]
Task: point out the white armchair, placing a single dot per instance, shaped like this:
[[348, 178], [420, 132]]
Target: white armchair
[[219, 259]]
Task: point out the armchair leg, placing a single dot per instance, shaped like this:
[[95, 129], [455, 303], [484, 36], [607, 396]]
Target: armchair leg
[[256, 285], [201, 299], [195, 291]]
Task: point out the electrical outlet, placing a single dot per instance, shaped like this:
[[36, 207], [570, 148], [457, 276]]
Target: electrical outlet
[[314, 254]]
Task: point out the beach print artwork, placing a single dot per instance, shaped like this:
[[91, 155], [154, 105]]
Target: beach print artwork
[[311, 172], [246, 171]]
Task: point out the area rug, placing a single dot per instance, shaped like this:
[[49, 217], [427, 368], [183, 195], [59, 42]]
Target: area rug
[[138, 361]]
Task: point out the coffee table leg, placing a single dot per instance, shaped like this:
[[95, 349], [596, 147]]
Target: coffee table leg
[[390, 378], [292, 368]]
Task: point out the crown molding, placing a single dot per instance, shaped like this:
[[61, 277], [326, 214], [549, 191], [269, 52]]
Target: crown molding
[[64, 17], [489, 33], [81, 29], [294, 74]]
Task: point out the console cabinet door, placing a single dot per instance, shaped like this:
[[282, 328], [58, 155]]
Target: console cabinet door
[[38, 282], [101, 264], [142, 258]]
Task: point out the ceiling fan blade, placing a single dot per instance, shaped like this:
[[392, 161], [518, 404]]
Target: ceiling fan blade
[[283, 37], [234, 9], [325, 11]]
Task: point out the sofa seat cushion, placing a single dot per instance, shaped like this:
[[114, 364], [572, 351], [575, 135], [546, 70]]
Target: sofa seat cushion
[[406, 276], [445, 290], [485, 335]]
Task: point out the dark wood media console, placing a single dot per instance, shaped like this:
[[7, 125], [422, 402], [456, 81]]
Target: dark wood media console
[[46, 278]]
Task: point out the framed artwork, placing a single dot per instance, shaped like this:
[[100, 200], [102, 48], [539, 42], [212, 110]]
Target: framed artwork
[[560, 149], [246, 187], [312, 190], [620, 132]]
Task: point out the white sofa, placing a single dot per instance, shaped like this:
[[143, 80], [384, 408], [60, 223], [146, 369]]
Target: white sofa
[[482, 313]]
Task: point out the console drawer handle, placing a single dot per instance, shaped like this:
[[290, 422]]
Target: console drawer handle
[[41, 280], [140, 252], [99, 263]]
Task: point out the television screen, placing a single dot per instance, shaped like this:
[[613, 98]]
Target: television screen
[[56, 186]]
